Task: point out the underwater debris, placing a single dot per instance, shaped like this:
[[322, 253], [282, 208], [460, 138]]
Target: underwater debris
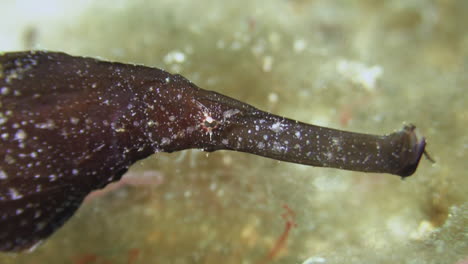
[[289, 216]]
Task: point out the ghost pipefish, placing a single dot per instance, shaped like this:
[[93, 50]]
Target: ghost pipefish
[[70, 125]]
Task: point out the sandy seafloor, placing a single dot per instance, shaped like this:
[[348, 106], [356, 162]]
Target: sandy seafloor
[[366, 66]]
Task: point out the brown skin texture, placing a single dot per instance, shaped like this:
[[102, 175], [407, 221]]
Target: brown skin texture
[[70, 125]]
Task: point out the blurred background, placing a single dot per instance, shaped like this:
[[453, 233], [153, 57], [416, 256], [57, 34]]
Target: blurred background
[[366, 66]]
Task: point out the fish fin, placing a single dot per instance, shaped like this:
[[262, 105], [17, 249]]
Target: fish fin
[[27, 220]]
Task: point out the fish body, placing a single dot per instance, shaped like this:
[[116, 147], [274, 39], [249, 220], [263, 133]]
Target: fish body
[[70, 125]]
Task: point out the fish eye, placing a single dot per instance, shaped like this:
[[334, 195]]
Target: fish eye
[[209, 122]]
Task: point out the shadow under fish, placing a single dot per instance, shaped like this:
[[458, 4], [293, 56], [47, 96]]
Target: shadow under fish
[[70, 125]]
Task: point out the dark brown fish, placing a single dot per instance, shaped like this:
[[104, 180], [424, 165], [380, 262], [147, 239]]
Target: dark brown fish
[[70, 125]]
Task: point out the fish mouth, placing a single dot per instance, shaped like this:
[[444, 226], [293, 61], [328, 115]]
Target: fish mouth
[[415, 150]]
